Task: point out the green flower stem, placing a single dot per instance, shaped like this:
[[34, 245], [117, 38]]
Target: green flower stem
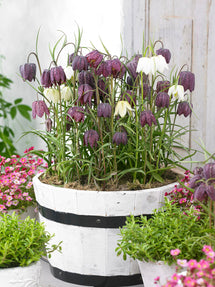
[[137, 142], [100, 125], [62, 132], [112, 126], [161, 137]]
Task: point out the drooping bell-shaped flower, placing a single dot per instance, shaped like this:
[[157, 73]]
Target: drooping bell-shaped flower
[[195, 181], [103, 89], [162, 100], [165, 53], [94, 58], [122, 107], [151, 65], [177, 92], [147, 117], [117, 68], [187, 80], [86, 77], [28, 71], [69, 72], [39, 108], [71, 58], [200, 193], [104, 110], [85, 94], [52, 95], [106, 68], [120, 138], [162, 86], [132, 66], [184, 108], [209, 171], [91, 138], [57, 76], [130, 97], [45, 79], [80, 63], [48, 124], [66, 93], [76, 113]]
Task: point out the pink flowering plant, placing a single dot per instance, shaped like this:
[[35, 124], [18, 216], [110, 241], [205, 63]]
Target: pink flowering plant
[[197, 272], [16, 189], [108, 117]]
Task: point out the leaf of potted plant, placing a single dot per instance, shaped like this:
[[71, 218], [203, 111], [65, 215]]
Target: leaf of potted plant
[[22, 244], [110, 134], [171, 231]]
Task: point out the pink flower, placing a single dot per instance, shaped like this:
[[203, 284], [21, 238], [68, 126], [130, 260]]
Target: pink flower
[[192, 263], [182, 200], [157, 279], [182, 263], [189, 282], [175, 252], [2, 207]]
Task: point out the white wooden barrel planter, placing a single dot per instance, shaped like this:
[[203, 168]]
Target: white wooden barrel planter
[[21, 276], [88, 224]]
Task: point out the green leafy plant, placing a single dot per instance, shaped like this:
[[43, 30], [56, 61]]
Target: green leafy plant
[[110, 118], [8, 109], [169, 229], [23, 241]]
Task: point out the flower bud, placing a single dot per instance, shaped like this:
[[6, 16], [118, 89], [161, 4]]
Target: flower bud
[[48, 124], [162, 86], [147, 117], [91, 138], [184, 108], [104, 110], [76, 113], [162, 100], [187, 80], [71, 58], [79, 63], [45, 79], [85, 93], [28, 71], [39, 108], [57, 75], [165, 53], [94, 58], [120, 138]]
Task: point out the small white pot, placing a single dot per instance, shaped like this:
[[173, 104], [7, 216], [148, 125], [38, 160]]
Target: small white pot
[[21, 276], [151, 270]]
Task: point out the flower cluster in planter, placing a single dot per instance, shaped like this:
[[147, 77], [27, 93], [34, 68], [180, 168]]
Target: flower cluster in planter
[[16, 190], [109, 118], [198, 273]]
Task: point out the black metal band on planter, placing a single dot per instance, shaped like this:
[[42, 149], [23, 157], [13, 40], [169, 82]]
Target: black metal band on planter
[[95, 280], [83, 220]]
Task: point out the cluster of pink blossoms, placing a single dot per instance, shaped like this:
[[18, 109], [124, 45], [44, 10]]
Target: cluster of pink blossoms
[[197, 274], [183, 196], [16, 190]]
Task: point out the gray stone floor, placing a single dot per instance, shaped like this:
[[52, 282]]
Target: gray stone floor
[[48, 280]]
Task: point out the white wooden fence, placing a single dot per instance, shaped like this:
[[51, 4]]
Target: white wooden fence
[[187, 28]]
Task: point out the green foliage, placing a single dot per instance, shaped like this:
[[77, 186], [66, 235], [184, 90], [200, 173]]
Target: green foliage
[[169, 228], [7, 147], [22, 241]]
